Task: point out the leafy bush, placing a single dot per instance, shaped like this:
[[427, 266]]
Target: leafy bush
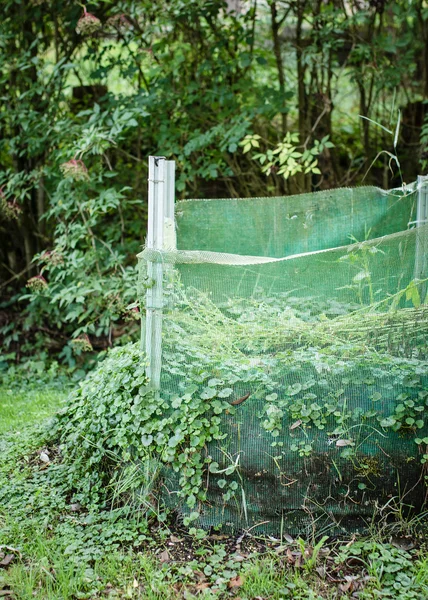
[[116, 433], [194, 82]]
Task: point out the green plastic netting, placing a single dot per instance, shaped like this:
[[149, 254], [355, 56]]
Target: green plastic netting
[[308, 315]]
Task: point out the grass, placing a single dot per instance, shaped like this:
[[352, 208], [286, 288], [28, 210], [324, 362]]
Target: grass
[[55, 564], [117, 576], [18, 409]]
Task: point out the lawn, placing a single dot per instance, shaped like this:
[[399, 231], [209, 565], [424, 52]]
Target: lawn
[[55, 549], [19, 409]]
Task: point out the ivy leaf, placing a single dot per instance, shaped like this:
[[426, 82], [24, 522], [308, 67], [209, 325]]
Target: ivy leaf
[[146, 440], [214, 382], [213, 468], [208, 393], [294, 389]]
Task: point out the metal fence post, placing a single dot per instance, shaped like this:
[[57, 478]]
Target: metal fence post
[[421, 250], [154, 296], [159, 237]]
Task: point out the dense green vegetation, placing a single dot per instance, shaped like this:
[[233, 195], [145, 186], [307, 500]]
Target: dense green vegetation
[[250, 98], [52, 547], [258, 98]]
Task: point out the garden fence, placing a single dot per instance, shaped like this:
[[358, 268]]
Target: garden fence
[[302, 323]]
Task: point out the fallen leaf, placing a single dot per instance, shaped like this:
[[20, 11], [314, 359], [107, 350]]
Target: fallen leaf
[[241, 537], [403, 543], [174, 539], [295, 424], [237, 557], [164, 556], [235, 582], [11, 549], [135, 583], [202, 586], [322, 571], [44, 457], [341, 443], [344, 587], [7, 560]]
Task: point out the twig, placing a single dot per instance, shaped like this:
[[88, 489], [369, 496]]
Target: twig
[[16, 275]]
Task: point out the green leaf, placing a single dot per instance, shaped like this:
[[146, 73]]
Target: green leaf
[[375, 123], [294, 389], [208, 393], [412, 293], [225, 393]]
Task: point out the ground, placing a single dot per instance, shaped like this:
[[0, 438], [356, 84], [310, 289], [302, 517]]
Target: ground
[[52, 552]]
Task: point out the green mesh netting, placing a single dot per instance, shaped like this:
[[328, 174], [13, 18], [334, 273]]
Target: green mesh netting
[[309, 316], [283, 226]]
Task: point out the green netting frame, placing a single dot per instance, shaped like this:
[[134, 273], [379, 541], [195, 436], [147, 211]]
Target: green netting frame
[[329, 341]]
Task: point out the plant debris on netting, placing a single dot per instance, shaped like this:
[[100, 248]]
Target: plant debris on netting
[[294, 349]]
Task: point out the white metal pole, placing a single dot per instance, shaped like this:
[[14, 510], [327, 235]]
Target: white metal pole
[[160, 236], [421, 250], [154, 296]]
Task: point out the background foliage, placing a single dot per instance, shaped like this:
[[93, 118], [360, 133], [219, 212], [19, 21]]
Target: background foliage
[[238, 93]]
